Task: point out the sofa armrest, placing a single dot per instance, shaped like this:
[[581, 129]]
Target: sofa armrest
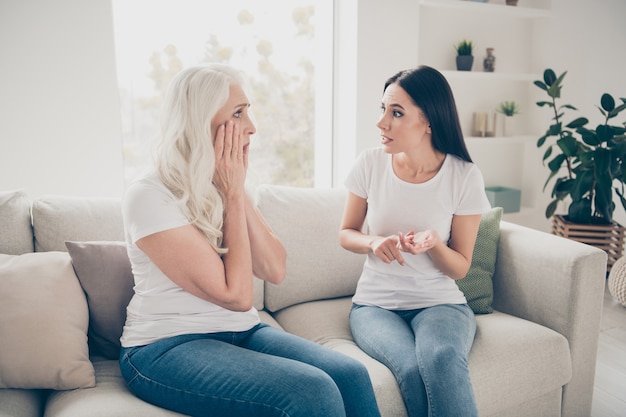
[[558, 283]]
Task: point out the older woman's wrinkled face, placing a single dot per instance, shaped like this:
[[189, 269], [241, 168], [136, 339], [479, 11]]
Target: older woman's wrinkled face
[[236, 109], [402, 124]]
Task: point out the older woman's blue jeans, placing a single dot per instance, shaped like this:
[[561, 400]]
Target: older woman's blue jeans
[[427, 351], [263, 372]]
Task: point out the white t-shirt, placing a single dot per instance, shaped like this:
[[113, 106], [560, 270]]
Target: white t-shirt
[[393, 206], [160, 308]]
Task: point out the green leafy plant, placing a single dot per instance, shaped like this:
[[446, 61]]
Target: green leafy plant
[[592, 160], [464, 47], [508, 108]]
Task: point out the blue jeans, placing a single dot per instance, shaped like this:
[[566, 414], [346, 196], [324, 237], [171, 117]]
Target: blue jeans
[[426, 350], [260, 372]]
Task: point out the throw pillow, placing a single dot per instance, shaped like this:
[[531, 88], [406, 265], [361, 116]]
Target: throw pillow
[[104, 272], [478, 285], [43, 323]]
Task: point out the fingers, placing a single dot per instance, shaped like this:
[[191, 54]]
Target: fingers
[[228, 142], [388, 252]]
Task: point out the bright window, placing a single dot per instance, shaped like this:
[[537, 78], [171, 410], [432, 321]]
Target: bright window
[[283, 46]]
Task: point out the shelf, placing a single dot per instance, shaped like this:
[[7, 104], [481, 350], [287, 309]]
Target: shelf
[[495, 140], [482, 75], [495, 9]]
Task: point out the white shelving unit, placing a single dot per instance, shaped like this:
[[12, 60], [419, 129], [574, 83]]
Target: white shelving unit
[[510, 31]]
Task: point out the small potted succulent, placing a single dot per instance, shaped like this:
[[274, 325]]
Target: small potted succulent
[[464, 58], [509, 109]]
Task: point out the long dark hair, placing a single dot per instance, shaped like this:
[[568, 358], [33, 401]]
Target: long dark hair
[[431, 92]]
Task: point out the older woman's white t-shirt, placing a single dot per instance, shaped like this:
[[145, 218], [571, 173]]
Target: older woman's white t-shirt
[[393, 206], [160, 308]]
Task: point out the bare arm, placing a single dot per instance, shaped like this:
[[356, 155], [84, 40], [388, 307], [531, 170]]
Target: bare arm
[[353, 239], [185, 256], [268, 253]]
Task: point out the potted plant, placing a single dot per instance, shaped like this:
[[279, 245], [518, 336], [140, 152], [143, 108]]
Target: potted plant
[[587, 165], [464, 58], [509, 109]]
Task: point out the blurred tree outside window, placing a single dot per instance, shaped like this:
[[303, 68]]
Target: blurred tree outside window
[[283, 46]]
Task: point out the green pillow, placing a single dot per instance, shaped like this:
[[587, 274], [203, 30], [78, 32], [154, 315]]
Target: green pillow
[[477, 284]]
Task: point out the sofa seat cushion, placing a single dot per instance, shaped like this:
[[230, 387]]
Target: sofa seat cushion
[[22, 402], [512, 360], [109, 398], [326, 322], [16, 233]]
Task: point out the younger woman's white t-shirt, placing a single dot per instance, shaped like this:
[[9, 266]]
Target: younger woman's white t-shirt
[[393, 206], [160, 308]]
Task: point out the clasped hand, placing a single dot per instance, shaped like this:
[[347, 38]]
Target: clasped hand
[[231, 159], [390, 249]]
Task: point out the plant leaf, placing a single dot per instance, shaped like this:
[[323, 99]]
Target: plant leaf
[[541, 85], [568, 145], [607, 102], [549, 76], [580, 211], [555, 164], [579, 122], [551, 208]]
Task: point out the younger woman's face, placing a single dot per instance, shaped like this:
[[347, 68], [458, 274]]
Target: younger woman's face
[[236, 109], [403, 125]]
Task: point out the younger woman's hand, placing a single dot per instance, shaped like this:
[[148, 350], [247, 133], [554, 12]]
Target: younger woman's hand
[[386, 248], [231, 161], [415, 243]]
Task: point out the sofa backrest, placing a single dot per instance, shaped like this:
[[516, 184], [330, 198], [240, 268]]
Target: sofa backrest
[[58, 219], [307, 222], [16, 233]]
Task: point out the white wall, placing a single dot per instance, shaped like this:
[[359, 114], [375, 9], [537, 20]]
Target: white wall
[[59, 110], [60, 129]]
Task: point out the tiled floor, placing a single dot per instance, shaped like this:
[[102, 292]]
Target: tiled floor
[[609, 394]]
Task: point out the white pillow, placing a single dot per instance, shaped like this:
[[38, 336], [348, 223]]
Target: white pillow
[[43, 323]]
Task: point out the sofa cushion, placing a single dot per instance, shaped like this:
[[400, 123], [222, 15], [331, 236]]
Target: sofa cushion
[[109, 398], [526, 359], [307, 222], [22, 402], [43, 323], [477, 284], [327, 322], [104, 272], [16, 233], [58, 219]]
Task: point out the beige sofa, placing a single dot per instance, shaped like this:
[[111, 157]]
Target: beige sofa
[[533, 356]]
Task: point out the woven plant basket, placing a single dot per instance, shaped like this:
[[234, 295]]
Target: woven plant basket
[[617, 281], [609, 238]]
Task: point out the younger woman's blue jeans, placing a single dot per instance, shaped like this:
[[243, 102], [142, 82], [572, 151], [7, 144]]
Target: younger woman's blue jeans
[[262, 372], [427, 351]]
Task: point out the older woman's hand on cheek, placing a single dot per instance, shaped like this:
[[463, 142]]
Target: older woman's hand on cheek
[[231, 162]]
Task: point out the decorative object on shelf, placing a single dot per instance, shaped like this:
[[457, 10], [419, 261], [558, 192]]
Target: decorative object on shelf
[[464, 58], [593, 160], [489, 63], [509, 109], [480, 127], [511, 2], [507, 198], [617, 281], [608, 237]]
